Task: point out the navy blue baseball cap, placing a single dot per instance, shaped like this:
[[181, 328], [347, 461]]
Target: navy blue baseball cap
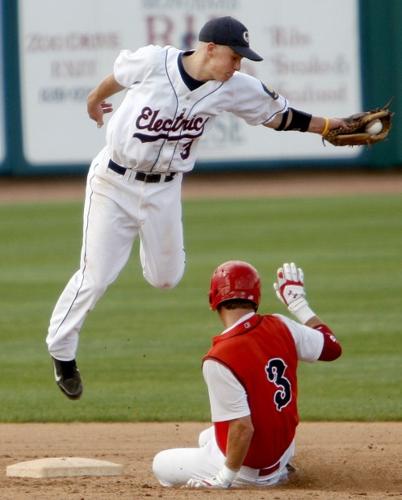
[[231, 32]]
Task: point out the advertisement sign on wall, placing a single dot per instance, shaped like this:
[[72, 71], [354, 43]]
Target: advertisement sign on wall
[[310, 49]]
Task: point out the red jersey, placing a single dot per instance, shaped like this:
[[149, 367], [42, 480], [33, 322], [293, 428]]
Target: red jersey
[[261, 353]]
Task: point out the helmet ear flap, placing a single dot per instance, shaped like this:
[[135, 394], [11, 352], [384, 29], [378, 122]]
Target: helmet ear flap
[[210, 297], [234, 279]]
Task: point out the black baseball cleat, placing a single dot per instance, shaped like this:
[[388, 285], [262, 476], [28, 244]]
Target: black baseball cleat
[[68, 378]]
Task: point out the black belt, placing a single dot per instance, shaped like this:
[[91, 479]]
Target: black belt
[[142, 176]]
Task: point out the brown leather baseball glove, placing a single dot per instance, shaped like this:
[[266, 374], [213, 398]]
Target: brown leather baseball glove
[[357, 133]]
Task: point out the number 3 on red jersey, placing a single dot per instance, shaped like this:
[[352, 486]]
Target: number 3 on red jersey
[[275, 370]]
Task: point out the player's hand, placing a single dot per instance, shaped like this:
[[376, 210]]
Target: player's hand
[[289, 288], [289, 285], [214, 482], [223, 479], [97, 110]]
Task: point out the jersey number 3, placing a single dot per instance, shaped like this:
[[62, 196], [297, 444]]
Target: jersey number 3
[[275, 370]]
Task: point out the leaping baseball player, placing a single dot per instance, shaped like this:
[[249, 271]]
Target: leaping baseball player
[[134, 183], [250, 372]]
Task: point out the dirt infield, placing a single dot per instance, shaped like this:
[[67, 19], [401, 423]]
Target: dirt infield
[[219, 185], [333, 460]]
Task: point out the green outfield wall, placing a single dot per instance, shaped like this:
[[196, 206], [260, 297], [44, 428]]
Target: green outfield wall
[[381, 42], [329, 58]]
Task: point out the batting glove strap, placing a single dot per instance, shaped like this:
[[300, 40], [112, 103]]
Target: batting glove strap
[[301, 310]]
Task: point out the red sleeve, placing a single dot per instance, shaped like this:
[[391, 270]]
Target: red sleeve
[[331, 349]]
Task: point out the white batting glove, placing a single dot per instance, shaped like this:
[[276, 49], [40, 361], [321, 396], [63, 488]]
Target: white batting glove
[[289, 288], [223, 479]]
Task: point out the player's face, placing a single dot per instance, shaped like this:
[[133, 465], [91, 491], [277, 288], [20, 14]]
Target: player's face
[[224, 62]]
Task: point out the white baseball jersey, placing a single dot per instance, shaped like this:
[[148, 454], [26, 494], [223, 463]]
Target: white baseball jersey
[[155, 129], [160, 121], [227, 396]]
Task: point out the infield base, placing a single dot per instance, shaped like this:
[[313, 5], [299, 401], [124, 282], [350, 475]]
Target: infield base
[[64, 467]]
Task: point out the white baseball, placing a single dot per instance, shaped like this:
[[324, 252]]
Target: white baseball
[[374, 127]]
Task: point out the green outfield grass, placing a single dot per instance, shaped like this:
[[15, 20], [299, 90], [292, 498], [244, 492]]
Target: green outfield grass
[[140, 348]]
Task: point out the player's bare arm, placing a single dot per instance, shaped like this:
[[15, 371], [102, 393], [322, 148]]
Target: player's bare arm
[[314, 321], [240, 434], [96, 101], [241, 431]]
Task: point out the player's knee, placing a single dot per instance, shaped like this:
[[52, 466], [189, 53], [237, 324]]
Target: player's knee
[[160, 468], [165, 281], [171, 283], [205, 436]]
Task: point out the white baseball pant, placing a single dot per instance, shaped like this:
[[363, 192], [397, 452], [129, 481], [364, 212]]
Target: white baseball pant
[[176, 466], [117, 210]]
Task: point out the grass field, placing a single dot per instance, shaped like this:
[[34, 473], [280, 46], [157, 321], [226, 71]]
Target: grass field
[[140, 348]]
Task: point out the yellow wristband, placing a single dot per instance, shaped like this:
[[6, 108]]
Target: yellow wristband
[[326, 127]]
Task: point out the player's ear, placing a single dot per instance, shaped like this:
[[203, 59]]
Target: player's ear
[[211, 48]]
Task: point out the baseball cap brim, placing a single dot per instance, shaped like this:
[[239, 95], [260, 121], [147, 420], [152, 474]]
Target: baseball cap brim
[[247, 53]]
